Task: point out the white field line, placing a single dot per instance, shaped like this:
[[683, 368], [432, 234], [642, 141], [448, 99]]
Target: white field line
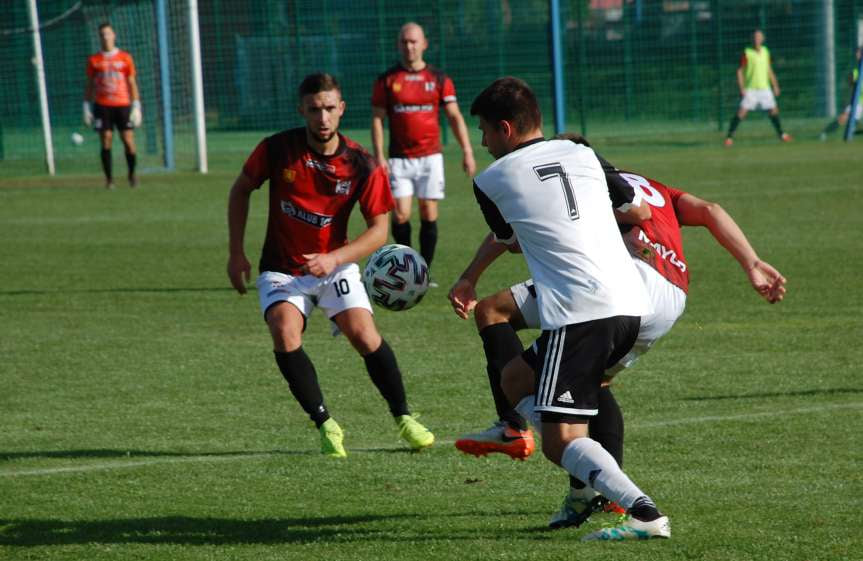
[[262, 455]]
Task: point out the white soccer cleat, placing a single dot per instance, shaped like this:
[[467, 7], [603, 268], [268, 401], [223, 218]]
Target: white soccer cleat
[[633, 529]]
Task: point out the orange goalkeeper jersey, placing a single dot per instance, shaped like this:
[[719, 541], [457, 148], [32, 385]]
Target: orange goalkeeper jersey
[[110, 72]]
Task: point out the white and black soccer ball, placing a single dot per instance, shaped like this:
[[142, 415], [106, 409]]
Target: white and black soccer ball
[[396, 277]]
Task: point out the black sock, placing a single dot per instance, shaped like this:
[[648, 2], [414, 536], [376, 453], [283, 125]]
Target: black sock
[[735, 120], [644, 509], [402, 233], [106, 164], [776, 124], [300, 373], [385, 374], [831, 127], [428, 240], [131, 160], [501, 344], [607, 426]]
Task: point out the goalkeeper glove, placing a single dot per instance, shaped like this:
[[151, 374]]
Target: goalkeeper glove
[[88, 114], [135, 115]]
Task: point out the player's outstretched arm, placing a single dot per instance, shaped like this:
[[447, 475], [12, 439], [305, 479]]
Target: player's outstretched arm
[[239, 268], [462, 295], [379, 115], [692, 211], [459, 129], [374, 236]]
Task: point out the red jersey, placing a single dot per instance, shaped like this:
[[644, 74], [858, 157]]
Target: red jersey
[[657, 241], [311, 196], [110, 72], [413, 100]]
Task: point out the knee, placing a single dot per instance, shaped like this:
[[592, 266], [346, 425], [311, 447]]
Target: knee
[[285, 340], [487, 312], [552, 449], [400, 216], [428, 210], [365, 341], [286, 336]]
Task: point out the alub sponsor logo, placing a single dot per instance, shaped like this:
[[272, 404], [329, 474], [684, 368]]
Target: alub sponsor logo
[[303, 215], [320, 166], [412, 108], [668, 254]]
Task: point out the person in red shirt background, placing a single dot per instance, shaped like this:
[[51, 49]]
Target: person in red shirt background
[[410, 94], [316, 177], [111, 99]]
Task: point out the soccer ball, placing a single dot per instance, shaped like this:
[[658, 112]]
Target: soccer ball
[[396, 277], [77, 139]]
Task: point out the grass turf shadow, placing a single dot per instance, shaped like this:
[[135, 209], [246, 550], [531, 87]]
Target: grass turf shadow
[[185, 530]]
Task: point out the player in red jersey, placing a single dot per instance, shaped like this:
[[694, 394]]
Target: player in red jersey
[[111, 100], [410, 95], [657, 249], [316, 177]]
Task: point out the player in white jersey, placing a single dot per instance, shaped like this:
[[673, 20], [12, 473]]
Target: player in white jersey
[[656, 247], [550, 199]]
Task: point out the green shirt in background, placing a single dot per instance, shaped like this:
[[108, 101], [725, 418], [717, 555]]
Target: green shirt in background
[[756, 71]]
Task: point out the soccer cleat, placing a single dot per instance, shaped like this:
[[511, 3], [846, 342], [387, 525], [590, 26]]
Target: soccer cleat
[[786, 137], [574, 511], [331, 439], [433, 284], [109, 185], [517, 444], [133, 181], [415, 434], [729, 141], [633, 529]]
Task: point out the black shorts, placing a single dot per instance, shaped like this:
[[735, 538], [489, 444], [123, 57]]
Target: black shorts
[[570, 362], [106, 117]]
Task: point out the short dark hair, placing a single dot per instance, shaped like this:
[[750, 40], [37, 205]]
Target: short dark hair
[[318, 82], [104, 24], [573, 136], [508, 99]]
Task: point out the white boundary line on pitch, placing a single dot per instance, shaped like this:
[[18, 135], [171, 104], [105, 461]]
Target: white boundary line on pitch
[[260, 455]]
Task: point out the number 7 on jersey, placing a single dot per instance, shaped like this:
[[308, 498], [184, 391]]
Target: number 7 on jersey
[[548, 171]]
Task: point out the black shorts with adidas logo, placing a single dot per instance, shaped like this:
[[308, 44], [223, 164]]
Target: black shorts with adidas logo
[[570, 362]]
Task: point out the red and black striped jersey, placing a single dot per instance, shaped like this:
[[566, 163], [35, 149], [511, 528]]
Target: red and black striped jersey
[[657, 241], [312, 195], [413, 101]]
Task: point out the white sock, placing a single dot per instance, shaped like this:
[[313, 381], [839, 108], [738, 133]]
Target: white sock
[[525, 408], [585, 459]]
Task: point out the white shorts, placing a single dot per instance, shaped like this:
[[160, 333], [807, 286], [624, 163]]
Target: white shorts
[[423, 177], [758, 99], [668, 302], [340, 290]]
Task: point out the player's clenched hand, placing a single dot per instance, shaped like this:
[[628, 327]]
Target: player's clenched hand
[[462, 296], [320, 264], [767, 281], [468, 164], [239, 271], [384, 163]]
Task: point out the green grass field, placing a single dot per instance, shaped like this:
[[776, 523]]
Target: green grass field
[[143, 416]]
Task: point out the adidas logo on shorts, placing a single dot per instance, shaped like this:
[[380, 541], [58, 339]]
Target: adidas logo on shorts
[[565, 397]]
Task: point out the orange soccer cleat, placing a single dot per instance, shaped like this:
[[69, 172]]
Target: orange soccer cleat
[[517, 444]]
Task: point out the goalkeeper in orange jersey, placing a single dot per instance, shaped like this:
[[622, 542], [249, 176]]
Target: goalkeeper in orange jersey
[[111, 100]]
